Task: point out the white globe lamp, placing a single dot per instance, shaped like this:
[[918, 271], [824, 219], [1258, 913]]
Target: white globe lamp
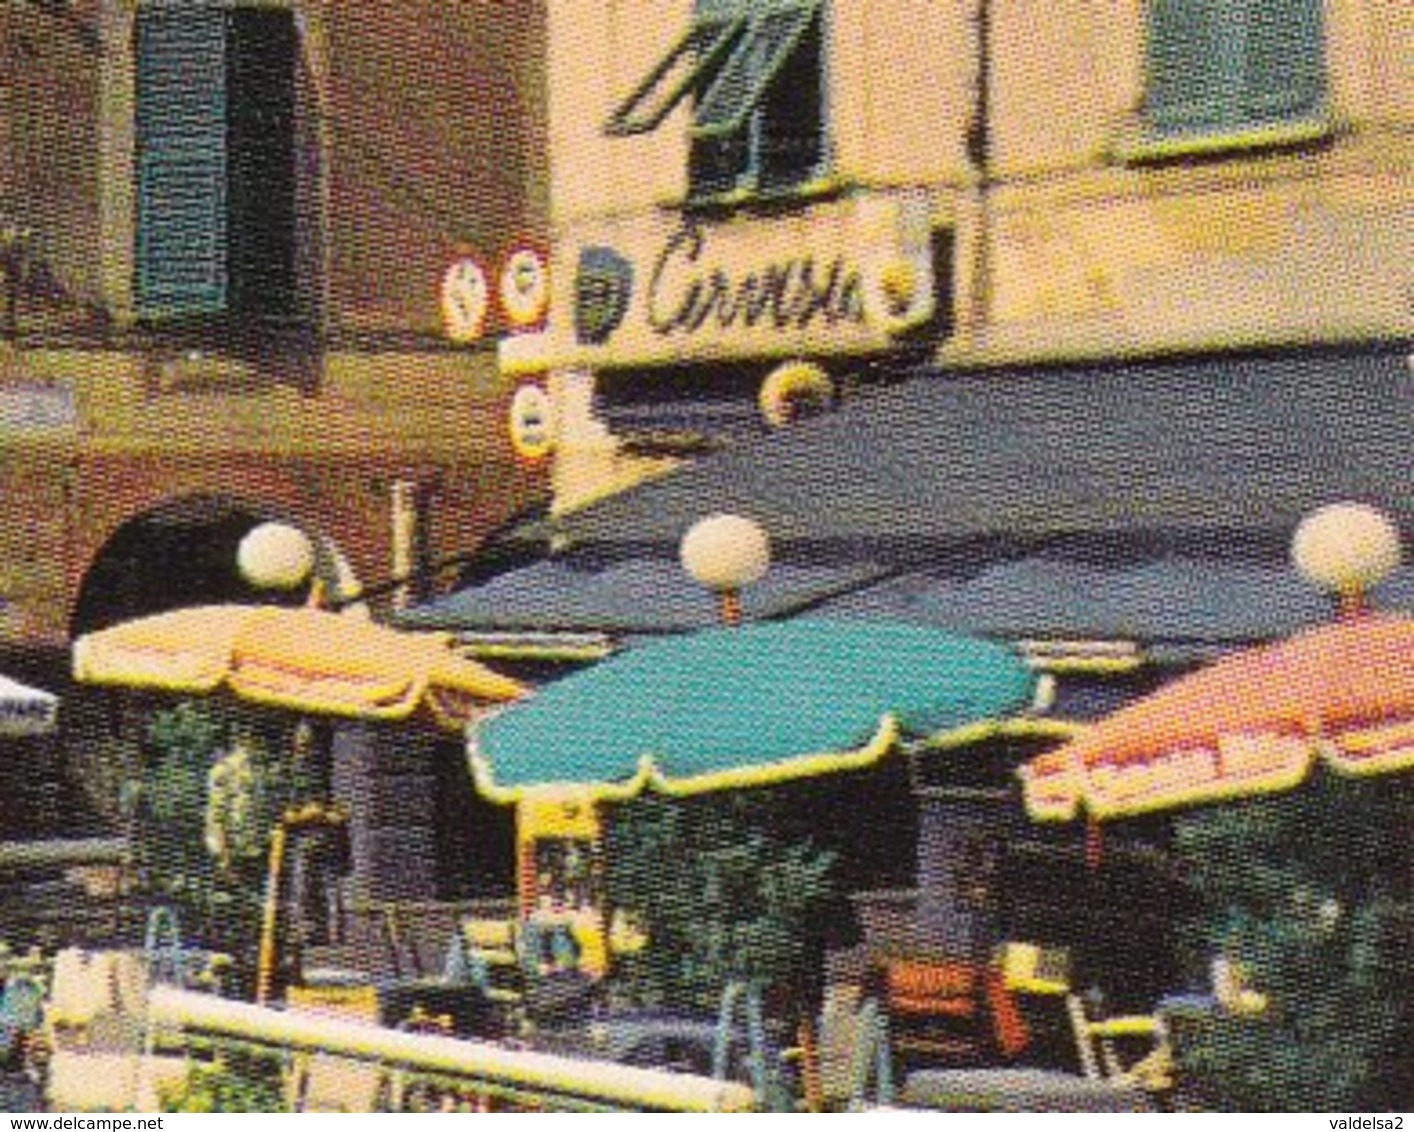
[[275, 556], [725, 553], [1346, 548]]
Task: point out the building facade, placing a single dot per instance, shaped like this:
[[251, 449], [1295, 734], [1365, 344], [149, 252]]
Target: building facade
[[867, 185], [1091, 303], [228, 235]]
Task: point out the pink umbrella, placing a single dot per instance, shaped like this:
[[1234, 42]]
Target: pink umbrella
[[1254, 722]]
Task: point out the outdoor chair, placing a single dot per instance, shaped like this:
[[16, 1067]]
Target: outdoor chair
[[949, 1010], [1030, 969], [491, 952], [1099, 1040], [319, 1082], [856, 1063]]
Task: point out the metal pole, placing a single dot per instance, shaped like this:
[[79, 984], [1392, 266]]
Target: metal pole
[[979, 152]]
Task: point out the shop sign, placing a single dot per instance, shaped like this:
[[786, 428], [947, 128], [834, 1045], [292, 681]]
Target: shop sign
[[846, 276], [603, 289], [688, 292], [693, 290], [531, 423]]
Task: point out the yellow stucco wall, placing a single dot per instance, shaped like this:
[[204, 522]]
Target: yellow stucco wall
[[598, 53], [901, 75], [1088, 246], [900, 100], [1075, 242], [1095, 250], [1274, 249]]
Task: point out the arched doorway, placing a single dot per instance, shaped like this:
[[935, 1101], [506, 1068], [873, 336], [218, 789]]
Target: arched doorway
[[180, 554]]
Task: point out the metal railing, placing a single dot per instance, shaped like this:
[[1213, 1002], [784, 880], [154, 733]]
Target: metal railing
[[476, 1072]]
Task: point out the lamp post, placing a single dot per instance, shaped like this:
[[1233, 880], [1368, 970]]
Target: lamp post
[[1346, 548], [725, 553], [276, 556]]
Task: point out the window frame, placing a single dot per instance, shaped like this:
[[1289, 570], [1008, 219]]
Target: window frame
[[1229, 115], [246, 290], [732, 30]]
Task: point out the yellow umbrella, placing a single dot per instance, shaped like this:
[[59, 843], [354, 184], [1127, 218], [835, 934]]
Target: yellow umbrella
[[304, 659]]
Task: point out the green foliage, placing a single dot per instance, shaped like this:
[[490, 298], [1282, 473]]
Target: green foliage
[[1311, 892], [238, 1083], [212, 786], [722, 893], [172, 798]]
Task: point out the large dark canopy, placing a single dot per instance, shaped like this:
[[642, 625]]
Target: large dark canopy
[[1216, 444], [1150, 501]]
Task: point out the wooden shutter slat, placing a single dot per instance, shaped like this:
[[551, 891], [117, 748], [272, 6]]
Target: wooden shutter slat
[[1284, 71], [747, 74], [181, 162], [1187, 89]]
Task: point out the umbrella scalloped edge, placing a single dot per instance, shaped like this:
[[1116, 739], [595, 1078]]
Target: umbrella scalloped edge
[[1237, 766], [1189, 776], [649, 777], [1372, 750]]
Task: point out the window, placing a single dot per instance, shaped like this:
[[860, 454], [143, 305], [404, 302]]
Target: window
[[755, 74], [215, 162], [1224, 65]]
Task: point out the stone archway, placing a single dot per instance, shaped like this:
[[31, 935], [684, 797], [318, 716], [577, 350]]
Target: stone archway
[[183, 553], [179, 553]]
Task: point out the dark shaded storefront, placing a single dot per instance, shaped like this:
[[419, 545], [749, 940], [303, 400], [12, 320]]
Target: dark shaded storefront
[[1119, 523]]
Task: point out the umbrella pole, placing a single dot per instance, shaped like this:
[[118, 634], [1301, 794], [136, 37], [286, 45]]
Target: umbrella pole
[[1094, 843], [1352, 605], [810, 1063], [269, 928]]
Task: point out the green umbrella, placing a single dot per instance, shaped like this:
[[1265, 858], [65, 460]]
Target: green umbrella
[[747, 706]]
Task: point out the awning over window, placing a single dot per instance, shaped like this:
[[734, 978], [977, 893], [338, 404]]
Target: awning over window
[[726, 60], [1177, 605], [1151, 503], [1184, 602], [635, 595], [1217, 445]]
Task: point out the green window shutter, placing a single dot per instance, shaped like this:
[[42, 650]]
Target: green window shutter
[[1284, 74], [181, 161], [683, 71], [744, 79], [1193, 66]]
